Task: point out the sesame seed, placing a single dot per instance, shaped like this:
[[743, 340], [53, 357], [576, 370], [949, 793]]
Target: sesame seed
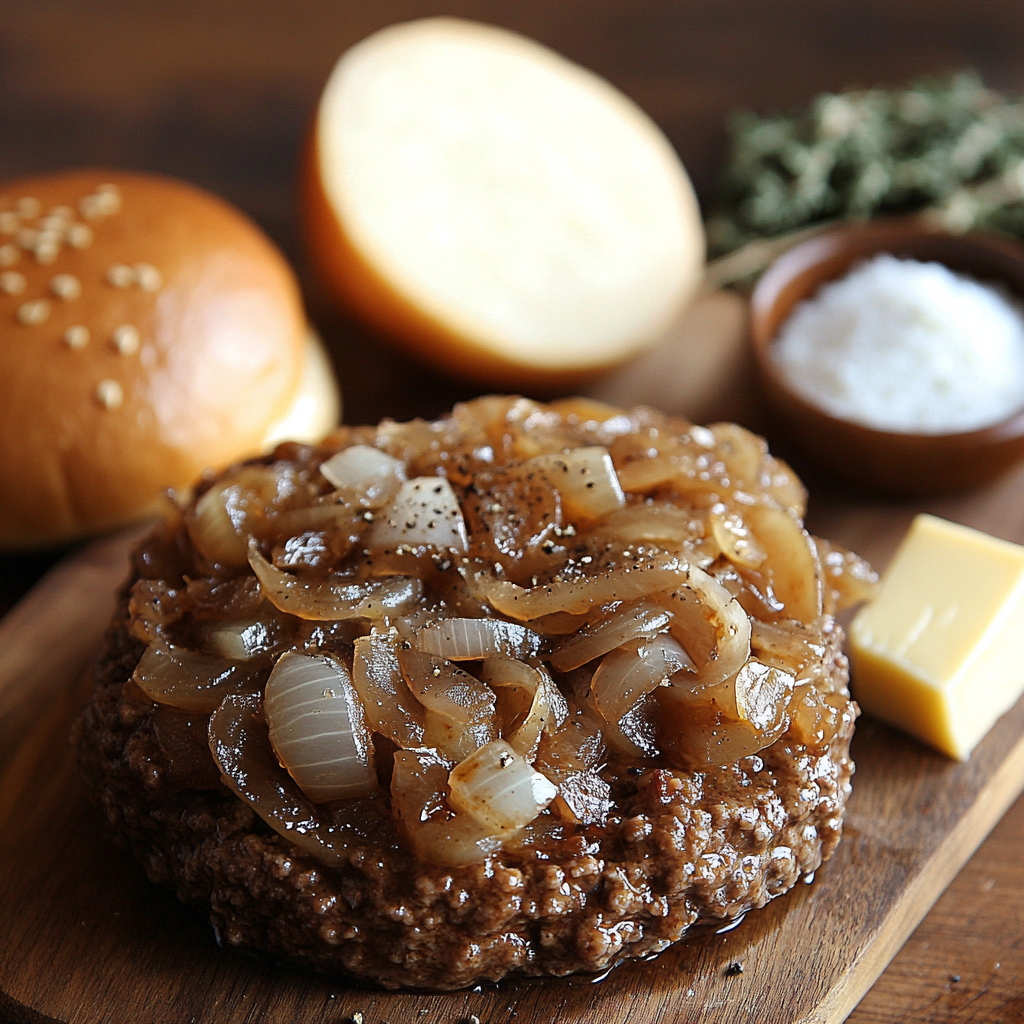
[[80, 236], [89, 208], [34, 312], [77, 337], [27, 238], [121, 276], [47, 252], [12, 283], [148, 276], [9, 255], [10, 222], [110, 394], [106, 200], [53, 223], [28, 207], [126, 339], [66, 286]]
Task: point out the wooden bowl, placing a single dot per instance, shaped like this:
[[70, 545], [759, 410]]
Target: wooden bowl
[[889, 462]]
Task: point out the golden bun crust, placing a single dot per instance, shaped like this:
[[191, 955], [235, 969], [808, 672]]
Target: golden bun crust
[[148, 330]]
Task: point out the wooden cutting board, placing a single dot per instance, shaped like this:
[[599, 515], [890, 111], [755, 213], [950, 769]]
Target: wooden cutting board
[[84, 937]]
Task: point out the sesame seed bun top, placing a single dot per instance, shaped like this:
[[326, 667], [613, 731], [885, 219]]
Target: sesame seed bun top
[[148, 330]]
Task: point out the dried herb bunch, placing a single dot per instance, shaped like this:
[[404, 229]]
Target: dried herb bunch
[[949, 145]]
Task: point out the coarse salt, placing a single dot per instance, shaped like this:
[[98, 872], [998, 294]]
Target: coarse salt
[[906, 346]]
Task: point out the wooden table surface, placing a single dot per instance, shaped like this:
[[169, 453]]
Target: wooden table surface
[[221, 93]]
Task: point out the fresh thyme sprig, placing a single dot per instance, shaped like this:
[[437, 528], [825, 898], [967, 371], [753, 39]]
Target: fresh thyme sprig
[[950, 146]]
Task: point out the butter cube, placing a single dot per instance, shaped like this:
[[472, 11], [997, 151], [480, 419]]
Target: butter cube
[[940, 652]]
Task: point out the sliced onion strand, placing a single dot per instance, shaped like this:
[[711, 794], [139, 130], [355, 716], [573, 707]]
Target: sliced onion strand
[[317, 728], [498, 788], [330, 600], [194, 681], [472, 639]]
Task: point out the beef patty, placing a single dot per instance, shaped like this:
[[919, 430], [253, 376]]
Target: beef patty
[[577, 671]]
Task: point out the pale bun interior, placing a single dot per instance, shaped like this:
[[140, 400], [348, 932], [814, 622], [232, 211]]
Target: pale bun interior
[[497, 209], [316, 408], [148, 331]]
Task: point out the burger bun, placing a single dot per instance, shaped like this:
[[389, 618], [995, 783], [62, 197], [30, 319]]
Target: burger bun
[[148, 331]]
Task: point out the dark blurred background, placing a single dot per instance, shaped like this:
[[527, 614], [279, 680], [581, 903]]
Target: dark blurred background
[[221, 91]]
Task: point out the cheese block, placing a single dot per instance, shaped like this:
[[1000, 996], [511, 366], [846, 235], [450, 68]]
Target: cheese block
[[938, 652]]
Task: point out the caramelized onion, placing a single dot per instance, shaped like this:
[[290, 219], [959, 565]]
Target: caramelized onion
[[498, 788], [472, 639], [184, 740], [785, 488], [433, 831], [627, 675], [576, 746], [390, 707], [425, 511], [763, 695], [743, 453], [703, 609], [317, 729], [192, 681], [639, 619], [694, 734], [647, 474], [686, 465], [223, 519], [584, 478], [793, 560], [155, 607], [240, 641], [848, 579], [816, 717], [721, 724], [558, 623], [379, 600], [366, 475], [660, 523], [788, 647], [529, 702], [625, 583], [460, 710], [241, 748], [734, 539], [216, 526], [584, 798]]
